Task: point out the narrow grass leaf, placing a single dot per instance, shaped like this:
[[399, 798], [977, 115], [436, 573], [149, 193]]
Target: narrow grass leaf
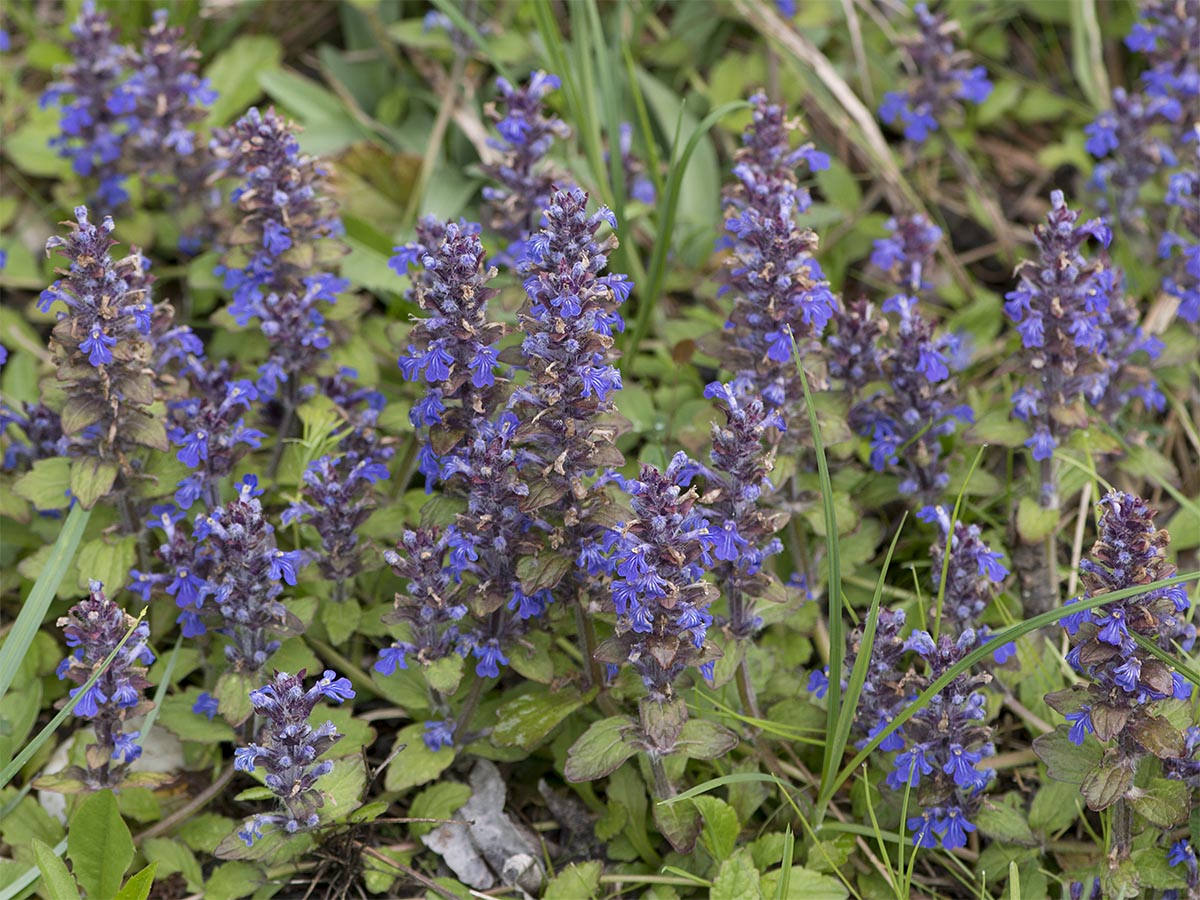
[[648, 299], [835, 622], [858, 676], [29, 620], [941, 596]]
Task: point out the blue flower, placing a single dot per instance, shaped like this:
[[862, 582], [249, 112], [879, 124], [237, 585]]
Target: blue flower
[[961, 765], [392, 658], [97, 345], [954, 828], [490, 657], [909, 767], [818, 682], [439, 734], [206, 705], [283, 565], [1081, 725]]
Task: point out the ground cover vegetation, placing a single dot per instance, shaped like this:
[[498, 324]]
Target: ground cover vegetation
[[729, 449]]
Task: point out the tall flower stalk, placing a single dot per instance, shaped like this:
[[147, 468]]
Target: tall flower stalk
[[1120, 703]]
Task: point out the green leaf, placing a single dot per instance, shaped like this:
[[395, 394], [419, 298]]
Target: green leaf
[[45, 485], [55, 876], [343, 788], [233, 696], [1033, 522], [600, 750], [543, 571], [91, 479], [737, 879], [171, 856], [233, 880], [701, 739], [805, 884], [1054, 807], [1155, 872], [1064, 761], [107, 562], [576, 881], [138, 886], [1158, 736], [527, 720], [1006, 822], [721, 826], [415, 764], [444, 674], [531, 658], [234, 74], [29, 620], [176, 716], [341, 619], [679, 823], [1164, 802], [438, 801], [99, 845], [1105, 784]]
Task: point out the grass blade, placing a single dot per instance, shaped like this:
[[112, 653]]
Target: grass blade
[[648, 299], [937, 617], [29, 620], [6, 775], [782, 891], [858, 676], [835, 619]]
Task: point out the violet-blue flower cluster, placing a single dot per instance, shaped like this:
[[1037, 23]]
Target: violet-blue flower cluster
[[92, 133], [918, 406], [132, 110], [780, 292], [336, 488], [453, 350], [1126, 680], [657, 560], [738, 484], [973, 574], [94, 628], [289, 749], [945, 745], [942, 79], [232, 564], [569, 319], [1061, 311], [209, 429], [524, 182], [279, 250], [101, 344]]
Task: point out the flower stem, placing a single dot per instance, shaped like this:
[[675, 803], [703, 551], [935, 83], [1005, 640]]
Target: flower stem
[[663, 789]]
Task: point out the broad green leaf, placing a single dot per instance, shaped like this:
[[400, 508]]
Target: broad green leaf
[[444, 674], [1064, 761], [176, 716], [1005, 821], [575, 882], [91, 479], [233, 880], [99, 845], [1033, 522], [234, 74], [108, 562], [527, 720], [139, 885], [679, 823], [415, 764], [600, 750], [805, 884], [1105, 784], [57, 879], [171, 856], [438, 801], [701, 739], [737, 878], [1164, 802], [45, 484], [721, 826]]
